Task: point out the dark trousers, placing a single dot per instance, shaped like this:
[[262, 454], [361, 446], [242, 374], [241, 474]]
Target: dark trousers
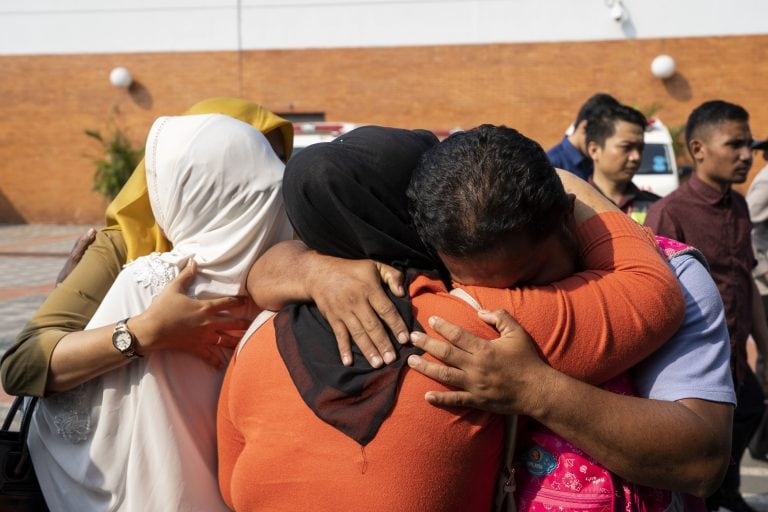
[[758, 446], [746, 417]]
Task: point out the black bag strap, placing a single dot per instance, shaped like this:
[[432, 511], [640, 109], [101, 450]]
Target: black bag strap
[[26, 421], [12, 412], [504, 492]]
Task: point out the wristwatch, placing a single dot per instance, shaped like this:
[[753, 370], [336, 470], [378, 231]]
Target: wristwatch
[[124, 340]]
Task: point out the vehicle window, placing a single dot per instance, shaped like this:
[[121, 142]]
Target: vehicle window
[[656, 159]]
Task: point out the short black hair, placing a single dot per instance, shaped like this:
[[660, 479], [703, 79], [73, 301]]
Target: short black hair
[[603, 125], [593, 105], [712, 113], [476, 190]]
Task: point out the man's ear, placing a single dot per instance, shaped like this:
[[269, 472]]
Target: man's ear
[[593, 150], [697, 149]]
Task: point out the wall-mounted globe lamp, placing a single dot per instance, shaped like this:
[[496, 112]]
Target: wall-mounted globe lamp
[[120, 77], [663, 66], [618, 13]]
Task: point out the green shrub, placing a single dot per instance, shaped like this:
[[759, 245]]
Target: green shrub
[[119, 160]]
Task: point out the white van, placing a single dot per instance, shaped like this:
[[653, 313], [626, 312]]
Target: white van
[[306, 134], [658, 171]]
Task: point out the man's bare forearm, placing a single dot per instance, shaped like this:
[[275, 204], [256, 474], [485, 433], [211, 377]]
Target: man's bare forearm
[[277, 277], [685, 445]]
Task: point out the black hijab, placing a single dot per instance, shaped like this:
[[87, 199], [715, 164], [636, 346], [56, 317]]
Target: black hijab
[[346, 198]]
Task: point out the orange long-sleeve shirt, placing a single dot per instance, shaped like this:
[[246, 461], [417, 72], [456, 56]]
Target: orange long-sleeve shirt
[[600, 322]]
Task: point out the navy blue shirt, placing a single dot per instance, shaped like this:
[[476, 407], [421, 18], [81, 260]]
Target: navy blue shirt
[[566, 156]]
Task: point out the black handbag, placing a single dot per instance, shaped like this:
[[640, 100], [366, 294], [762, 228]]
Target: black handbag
[[19, 489]]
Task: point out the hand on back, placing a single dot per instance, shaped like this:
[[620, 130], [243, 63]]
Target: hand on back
[[76, 254], [502, 375], [350, 296], [175, 321]]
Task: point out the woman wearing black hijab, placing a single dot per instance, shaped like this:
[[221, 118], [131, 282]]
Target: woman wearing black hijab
[[299, 431]]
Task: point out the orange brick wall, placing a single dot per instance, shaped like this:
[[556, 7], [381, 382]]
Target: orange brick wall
[[48, 101]]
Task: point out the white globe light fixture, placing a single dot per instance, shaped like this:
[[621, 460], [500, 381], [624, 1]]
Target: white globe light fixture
[[617, 12], [120, 77], [663, 66]]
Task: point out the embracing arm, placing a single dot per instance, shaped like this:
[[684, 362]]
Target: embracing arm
[[173, 321], [621, 432], [625, 433], [53, 353], [599, 322], [688, 381], [349, 295]]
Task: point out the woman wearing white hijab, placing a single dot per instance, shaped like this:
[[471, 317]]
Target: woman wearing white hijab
[[141, 436]]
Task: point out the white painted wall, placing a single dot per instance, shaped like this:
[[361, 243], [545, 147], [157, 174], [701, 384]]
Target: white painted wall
[[117, 26]]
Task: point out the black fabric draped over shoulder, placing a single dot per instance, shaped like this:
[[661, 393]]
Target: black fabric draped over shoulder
[[346, 198]]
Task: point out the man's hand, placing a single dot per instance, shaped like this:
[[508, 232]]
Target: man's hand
[[502, 376], [76, 254], [350, 296], [348, 293], [175, 321]]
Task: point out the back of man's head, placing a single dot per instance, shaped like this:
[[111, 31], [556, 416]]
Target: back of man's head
[[593, 106], [603, 125], [710, 114], [477, 190]]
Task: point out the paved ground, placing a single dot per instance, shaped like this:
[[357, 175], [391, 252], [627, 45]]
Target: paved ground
[[32, 255], [30, 259]]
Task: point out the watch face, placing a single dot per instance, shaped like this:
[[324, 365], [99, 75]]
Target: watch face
[[123, 341]]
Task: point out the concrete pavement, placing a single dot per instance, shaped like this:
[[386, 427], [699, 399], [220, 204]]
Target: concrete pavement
[[32, 255]]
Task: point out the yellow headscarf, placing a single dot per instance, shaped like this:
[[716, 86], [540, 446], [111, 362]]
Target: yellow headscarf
[[130, 211]]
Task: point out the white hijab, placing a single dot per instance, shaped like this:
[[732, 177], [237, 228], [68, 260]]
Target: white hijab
[[143, 436], [215, 189]]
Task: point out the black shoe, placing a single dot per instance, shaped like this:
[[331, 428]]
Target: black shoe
[[732, 501]]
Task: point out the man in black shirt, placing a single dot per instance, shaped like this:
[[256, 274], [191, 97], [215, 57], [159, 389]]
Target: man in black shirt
[[615, 144]]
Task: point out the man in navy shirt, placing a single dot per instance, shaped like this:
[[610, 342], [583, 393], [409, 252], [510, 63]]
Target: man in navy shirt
[[571, 154]]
